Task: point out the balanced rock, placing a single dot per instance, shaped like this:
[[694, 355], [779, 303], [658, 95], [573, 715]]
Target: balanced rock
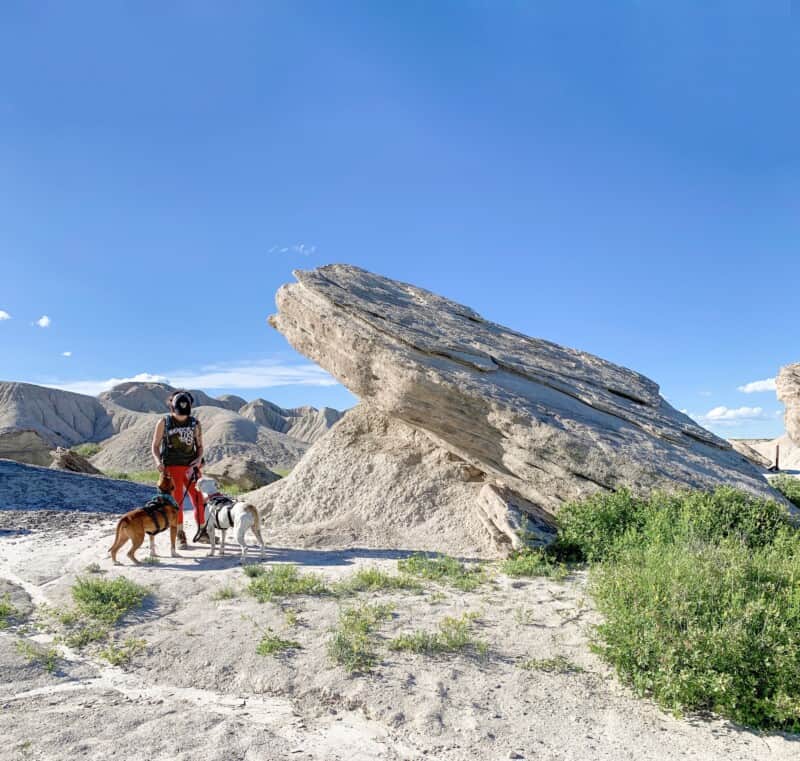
[[787, 386], [542, 423]]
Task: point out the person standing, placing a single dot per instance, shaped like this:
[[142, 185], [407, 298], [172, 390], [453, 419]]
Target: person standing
[[177, 448]]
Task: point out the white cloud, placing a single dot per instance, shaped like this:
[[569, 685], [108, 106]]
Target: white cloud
[[768, 384], [4, 315], [304, 249], [66, 353], [236, 375], [43, 321], [721, 413]]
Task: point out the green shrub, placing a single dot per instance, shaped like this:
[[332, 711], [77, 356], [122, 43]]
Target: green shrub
[[116, 655], [107, 600], [87, 450], [789, 487], [604, 524], [373, 579], [453, 636], [558, 665], [225, 593], [351, 644], [285, 580], [534, 562], [46, 657], [700, 594], [7, 611], [444, 569], [91, 632], [271, 644]]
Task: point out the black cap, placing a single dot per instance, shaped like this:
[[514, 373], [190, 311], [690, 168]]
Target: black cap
[[182, 403]]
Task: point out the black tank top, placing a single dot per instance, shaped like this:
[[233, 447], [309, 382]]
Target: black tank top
[[180, 447]]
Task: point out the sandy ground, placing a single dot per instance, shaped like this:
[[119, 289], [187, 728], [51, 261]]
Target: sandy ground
[[199, 691]]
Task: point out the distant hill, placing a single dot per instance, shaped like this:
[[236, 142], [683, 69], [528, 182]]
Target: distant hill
[[35, 419]]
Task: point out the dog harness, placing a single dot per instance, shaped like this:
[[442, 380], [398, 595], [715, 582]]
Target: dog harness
[[156, 508], [217, 506]]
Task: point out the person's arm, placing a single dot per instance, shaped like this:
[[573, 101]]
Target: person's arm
[[155, 446], [198, 442]]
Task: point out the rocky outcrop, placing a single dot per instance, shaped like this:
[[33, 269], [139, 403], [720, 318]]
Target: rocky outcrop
[[242, 472], [304, 423], [543, 423], [787, 387], [66, 459], [743, 447]]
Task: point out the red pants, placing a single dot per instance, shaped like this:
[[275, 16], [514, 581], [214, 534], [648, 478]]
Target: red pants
[[180, 475]]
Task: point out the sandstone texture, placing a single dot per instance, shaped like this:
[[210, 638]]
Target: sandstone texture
[[787, 386], [541, 423], [304, 423]]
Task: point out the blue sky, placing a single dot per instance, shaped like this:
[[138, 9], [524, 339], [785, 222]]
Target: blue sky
[[619, 177]]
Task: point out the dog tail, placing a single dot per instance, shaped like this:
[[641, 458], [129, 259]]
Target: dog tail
[[248, 508], [116, 535]]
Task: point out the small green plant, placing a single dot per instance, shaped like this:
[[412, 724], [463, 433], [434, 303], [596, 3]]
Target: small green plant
[[291, 617], [371, 579], [226, 593], [351, 644], [46, 657], [252, 571], [91, 632], [444, 569], [271, 644], [559, 665], [452, 636], [93, 568], [151, 560], [7, 611], [87, 450], [285, 580], [107, 600], [116, 655], [534, 562]]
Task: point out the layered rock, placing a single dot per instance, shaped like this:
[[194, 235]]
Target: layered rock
[[542, 423], [787, 387]]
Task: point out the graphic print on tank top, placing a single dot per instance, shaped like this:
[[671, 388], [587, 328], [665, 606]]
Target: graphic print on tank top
[[181, 448]]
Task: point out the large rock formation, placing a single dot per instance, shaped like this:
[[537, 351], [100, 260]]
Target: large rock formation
[[541, 423], [66, 459], [787, 386]]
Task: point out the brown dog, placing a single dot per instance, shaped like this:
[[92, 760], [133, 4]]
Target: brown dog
[[159, 514]]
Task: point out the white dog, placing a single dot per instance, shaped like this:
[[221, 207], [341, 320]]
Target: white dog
[[223, 513]]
